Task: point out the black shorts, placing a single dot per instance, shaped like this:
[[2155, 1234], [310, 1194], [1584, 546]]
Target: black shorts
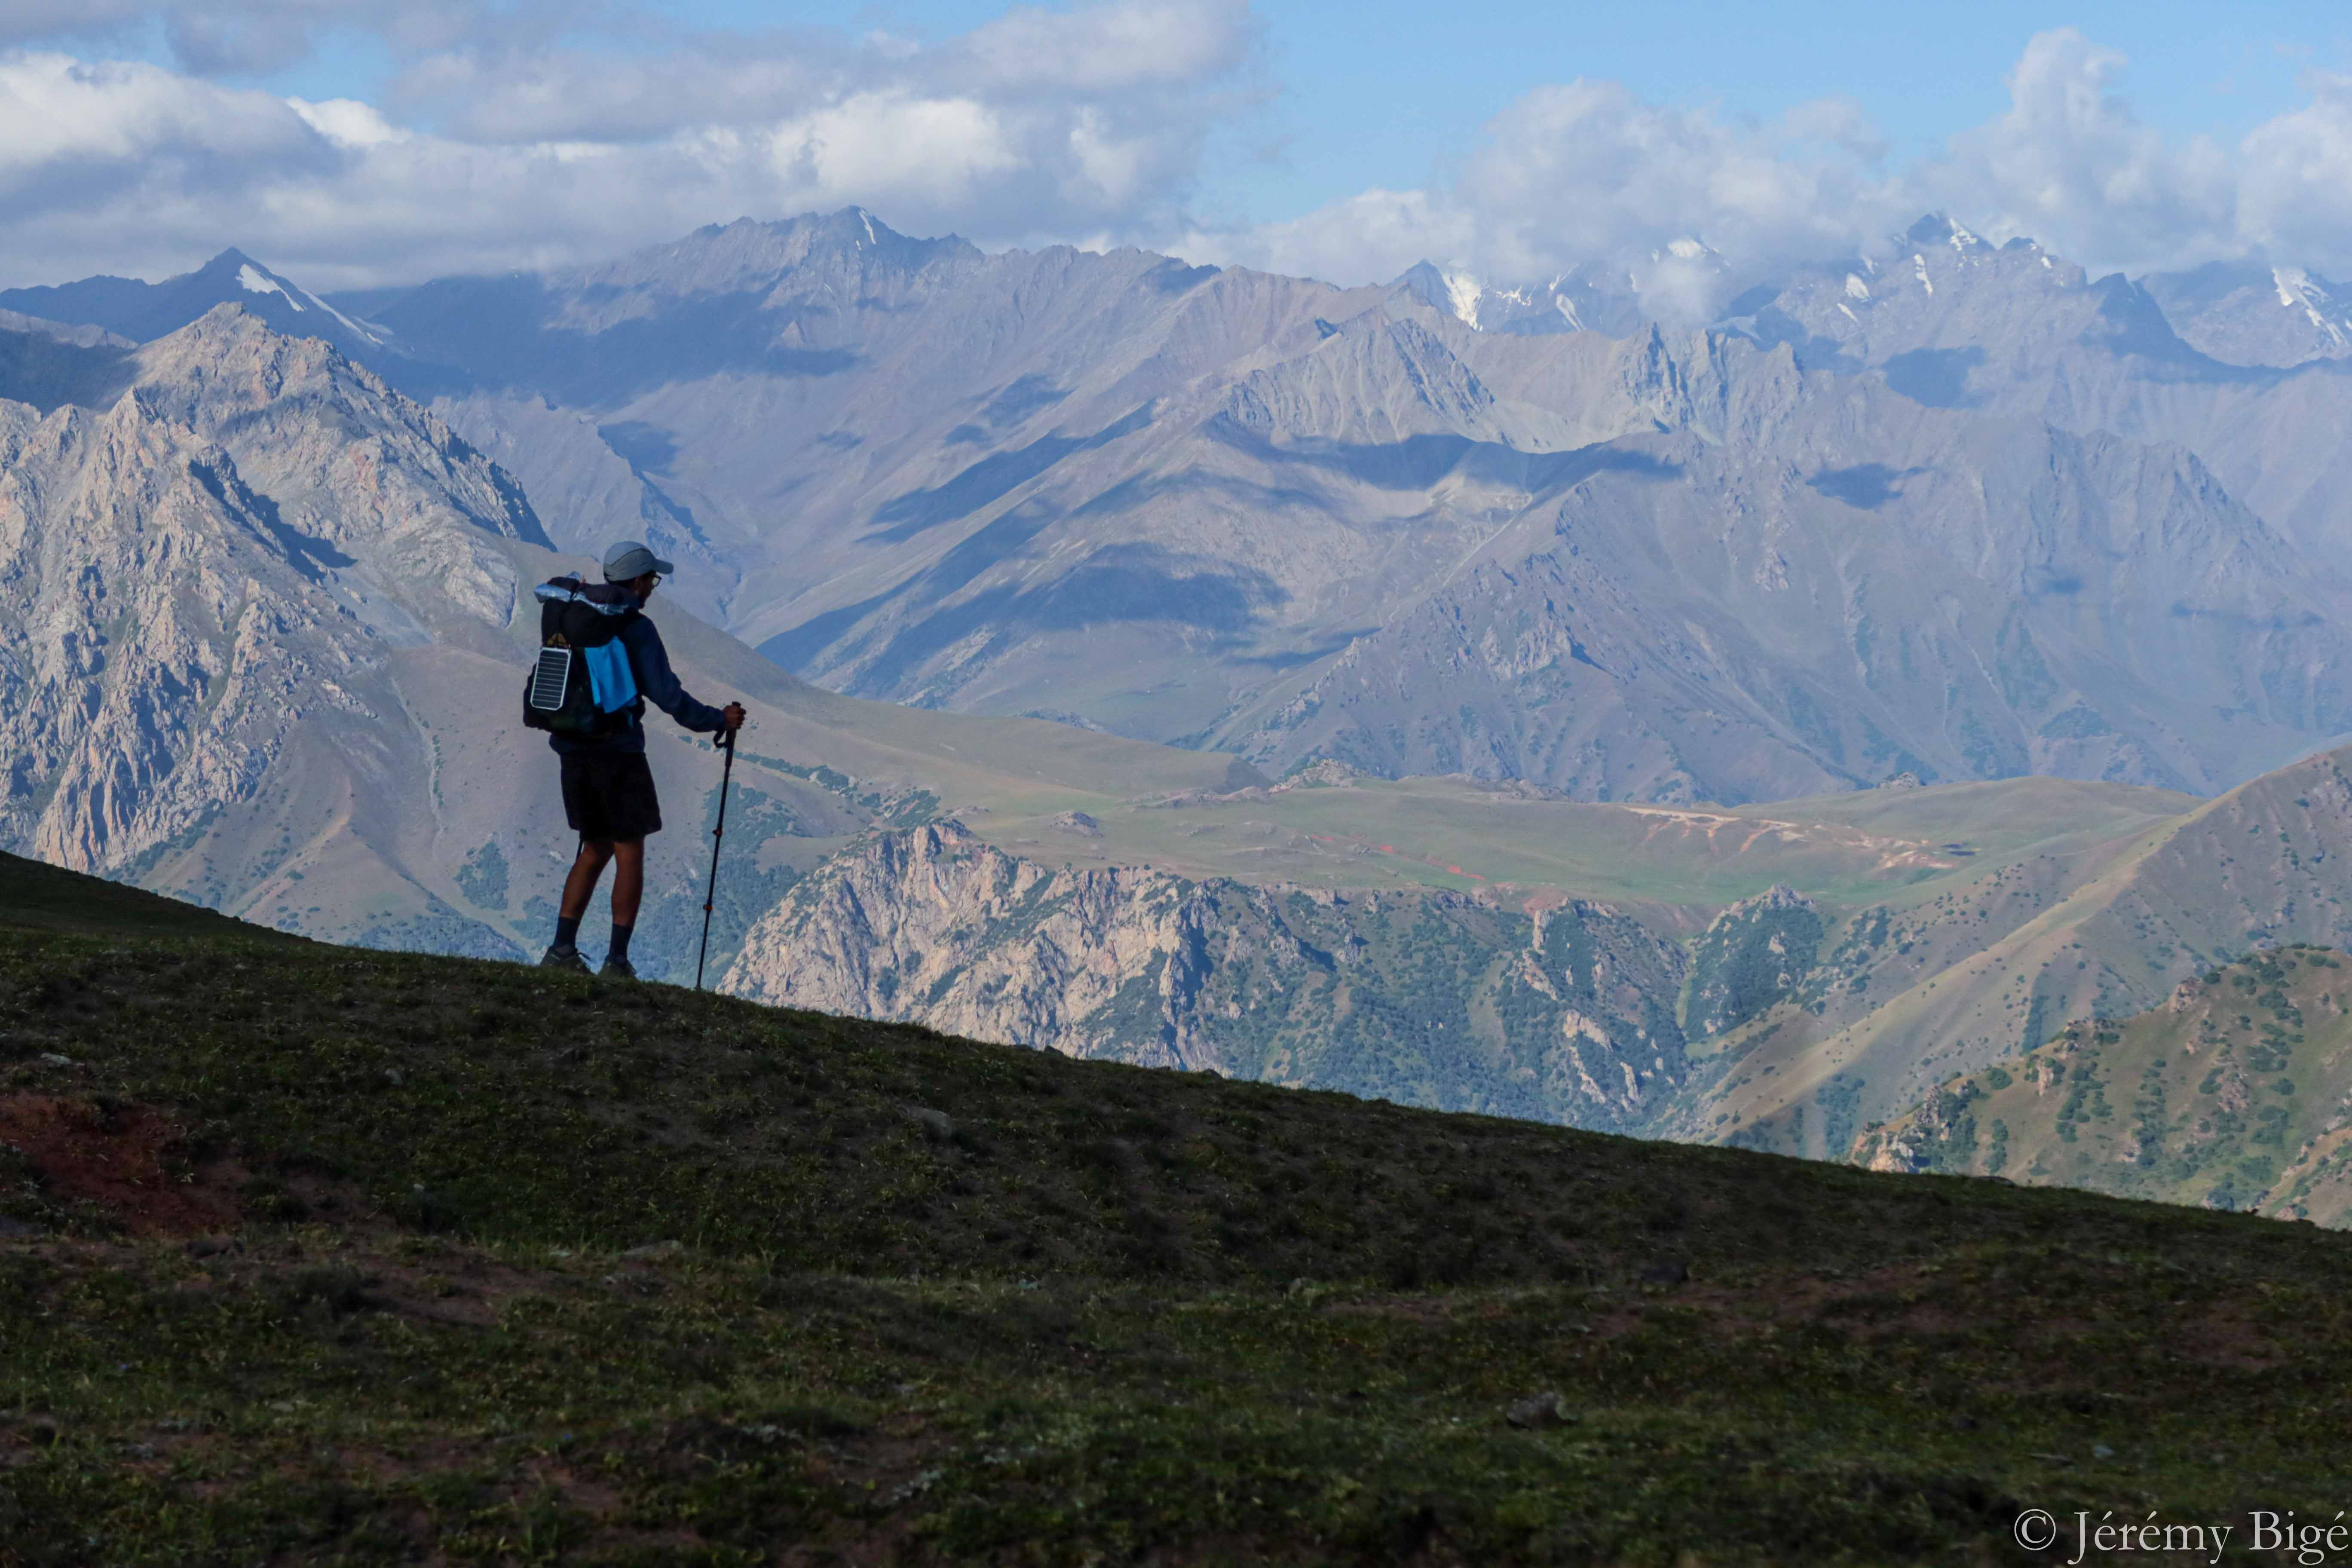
[[610, 794]]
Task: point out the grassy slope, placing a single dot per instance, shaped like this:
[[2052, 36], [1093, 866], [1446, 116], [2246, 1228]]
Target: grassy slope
[[37, 897], [2231, 1093], [1844, 849], [1992, 969], [1099, 1314]]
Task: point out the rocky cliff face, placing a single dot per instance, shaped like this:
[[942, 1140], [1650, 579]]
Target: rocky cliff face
[[213, 561], [1565, 1015]]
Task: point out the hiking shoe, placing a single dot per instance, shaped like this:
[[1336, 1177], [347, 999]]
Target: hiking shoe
[[617, 969], [564, 957]]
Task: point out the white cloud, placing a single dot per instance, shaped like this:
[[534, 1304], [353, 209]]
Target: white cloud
[[497, 144], [2069, 165], [1371, 235], [1586, 174], [2295, 197], [348, 122], [1587, 170], [211, 38], [922, 148], [1036, 126], [55, 110], [1120, 46]]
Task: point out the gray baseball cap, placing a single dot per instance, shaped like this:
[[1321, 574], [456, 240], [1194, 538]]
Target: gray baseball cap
[[630, 560]]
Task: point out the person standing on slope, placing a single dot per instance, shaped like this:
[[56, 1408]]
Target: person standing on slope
[[608, 790]]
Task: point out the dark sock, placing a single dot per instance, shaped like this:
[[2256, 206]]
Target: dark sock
[[620, 944], [567, 931]]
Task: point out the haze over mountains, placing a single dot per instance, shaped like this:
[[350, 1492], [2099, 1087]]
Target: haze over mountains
[[1965, 513]]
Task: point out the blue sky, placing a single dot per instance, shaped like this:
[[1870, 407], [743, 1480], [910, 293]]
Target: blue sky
[[1383, 92], [1345, 139]]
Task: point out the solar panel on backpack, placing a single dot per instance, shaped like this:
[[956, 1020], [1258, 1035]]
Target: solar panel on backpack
[[549, 676]]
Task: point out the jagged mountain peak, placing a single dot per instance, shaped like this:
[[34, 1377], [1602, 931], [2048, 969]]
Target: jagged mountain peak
[[753, 255], [233, 350], [1456, 293], [229, 261], [1940, 228], [1581, 298], [2258, 312], [248, 526], [144, 311]]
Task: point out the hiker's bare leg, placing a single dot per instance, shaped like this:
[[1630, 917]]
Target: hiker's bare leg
[[628, 880], [581, 886]]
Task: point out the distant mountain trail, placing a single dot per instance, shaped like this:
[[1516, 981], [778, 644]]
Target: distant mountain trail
[[1895, 854]]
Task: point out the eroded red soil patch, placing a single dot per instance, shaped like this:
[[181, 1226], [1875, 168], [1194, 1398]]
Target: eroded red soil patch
[[119, 1158]]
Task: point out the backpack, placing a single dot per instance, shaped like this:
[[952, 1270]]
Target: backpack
[[580, 685]]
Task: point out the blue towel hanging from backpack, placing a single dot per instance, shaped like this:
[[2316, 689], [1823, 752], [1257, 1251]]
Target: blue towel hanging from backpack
[[609, 676]]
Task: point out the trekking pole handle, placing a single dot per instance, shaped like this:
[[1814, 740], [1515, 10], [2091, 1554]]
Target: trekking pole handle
[[718, 832]]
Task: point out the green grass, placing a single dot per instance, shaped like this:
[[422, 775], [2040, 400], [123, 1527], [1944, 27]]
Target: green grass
[[1100, 1314], [1849, 850], [2230, 1095], [38, 897]]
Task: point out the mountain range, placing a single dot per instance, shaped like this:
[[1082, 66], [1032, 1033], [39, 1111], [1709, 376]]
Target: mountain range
[[1155, 595], [1962, 513]]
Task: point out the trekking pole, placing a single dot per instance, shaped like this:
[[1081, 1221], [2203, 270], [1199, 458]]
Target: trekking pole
[[725, 776]]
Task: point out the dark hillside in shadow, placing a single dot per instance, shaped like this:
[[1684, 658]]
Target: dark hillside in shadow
[[316, 1254]]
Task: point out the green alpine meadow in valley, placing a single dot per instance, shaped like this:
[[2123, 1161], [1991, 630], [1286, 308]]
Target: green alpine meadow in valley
[[318, 1255]]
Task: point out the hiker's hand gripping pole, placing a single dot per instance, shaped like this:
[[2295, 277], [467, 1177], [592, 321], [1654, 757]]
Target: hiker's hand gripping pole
[[710, 894]]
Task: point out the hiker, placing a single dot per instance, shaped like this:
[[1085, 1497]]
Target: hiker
[[600, 662]]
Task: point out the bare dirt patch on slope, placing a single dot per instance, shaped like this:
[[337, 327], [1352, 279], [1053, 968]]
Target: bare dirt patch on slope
[[129, 1161]]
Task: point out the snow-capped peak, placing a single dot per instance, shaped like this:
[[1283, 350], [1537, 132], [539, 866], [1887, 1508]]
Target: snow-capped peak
[[369, 334], [2297, 289], [255, 281], [1464, 293]]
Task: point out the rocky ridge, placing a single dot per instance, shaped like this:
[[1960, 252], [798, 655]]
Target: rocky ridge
[[210, 571], [1564, 1014], [2230, 1095]]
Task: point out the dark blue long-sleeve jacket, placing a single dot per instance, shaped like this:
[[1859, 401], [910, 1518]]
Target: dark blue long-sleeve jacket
[[658, 684]]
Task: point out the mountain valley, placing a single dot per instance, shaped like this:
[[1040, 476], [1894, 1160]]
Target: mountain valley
[[1425, 529], [1465, 629]]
